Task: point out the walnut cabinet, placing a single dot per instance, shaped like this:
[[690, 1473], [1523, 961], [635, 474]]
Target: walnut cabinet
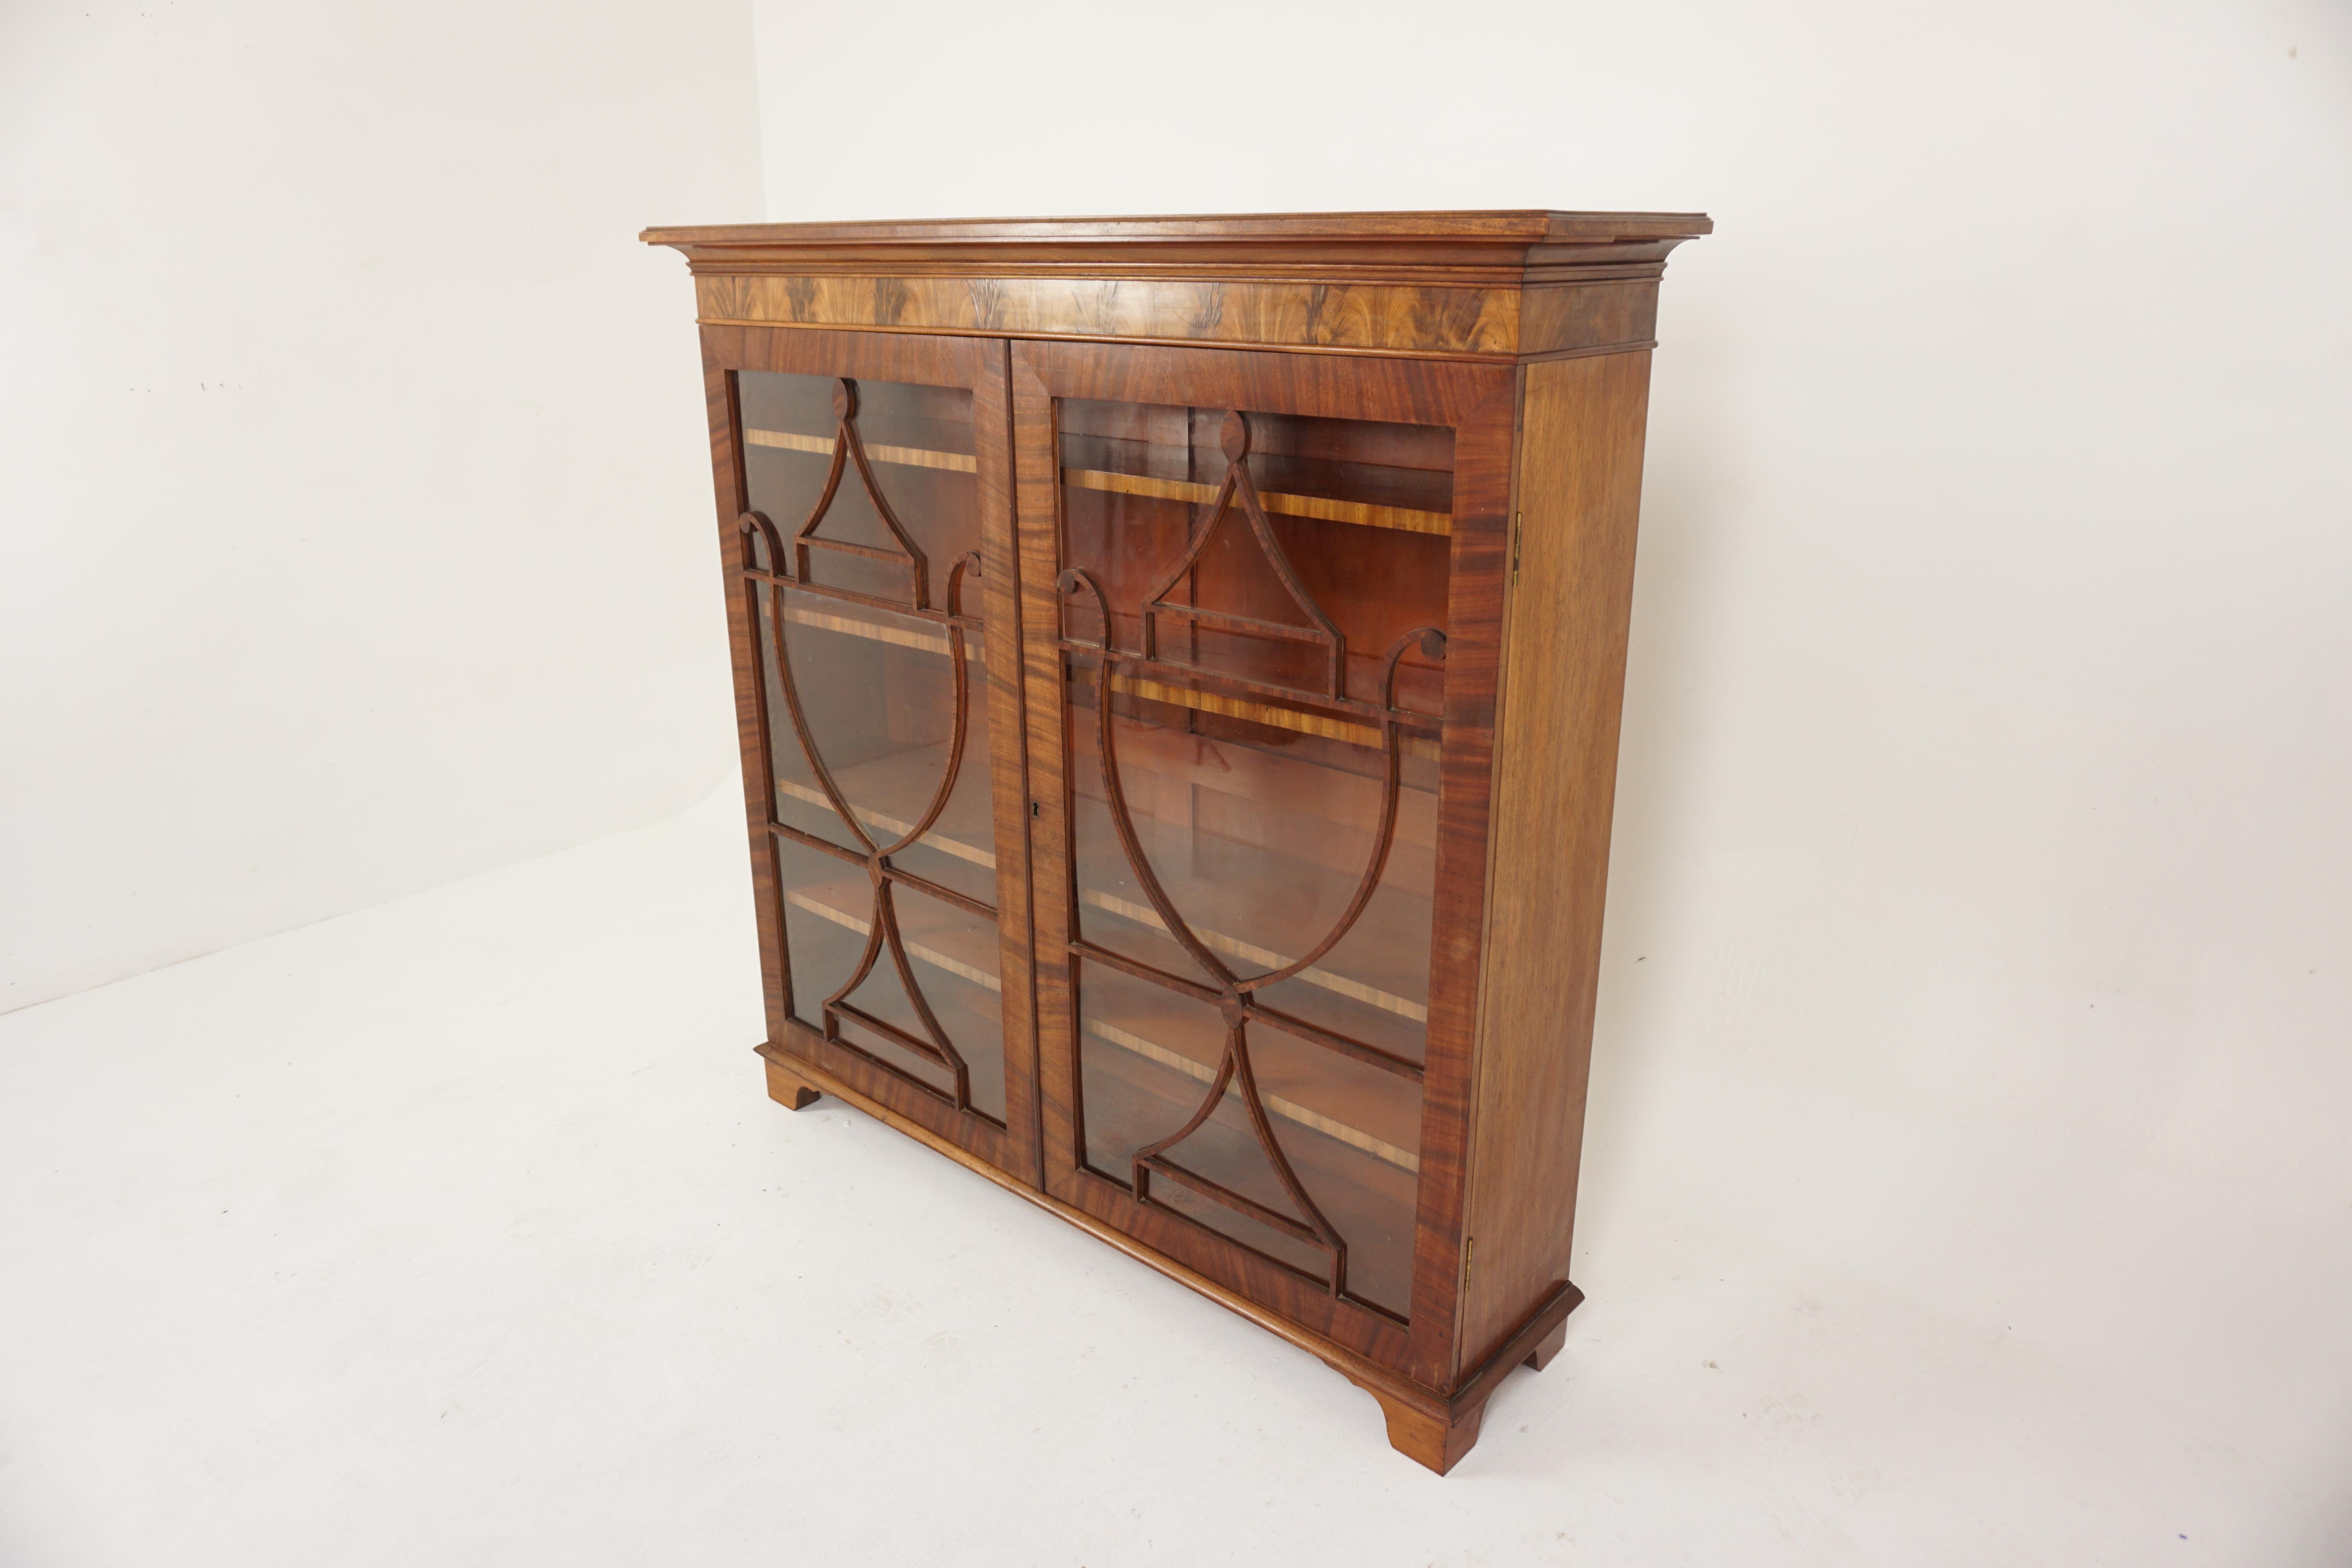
[[1178, 663]]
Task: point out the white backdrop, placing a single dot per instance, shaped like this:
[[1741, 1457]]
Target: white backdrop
[[354, 529], [1976, 993], [1982, 892]]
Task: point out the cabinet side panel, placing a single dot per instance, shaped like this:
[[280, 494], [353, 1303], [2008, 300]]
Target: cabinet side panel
[[722, 348], [1563, 681]]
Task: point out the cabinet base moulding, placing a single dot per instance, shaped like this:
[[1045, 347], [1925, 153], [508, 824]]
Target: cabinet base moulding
[[1424, 1425]]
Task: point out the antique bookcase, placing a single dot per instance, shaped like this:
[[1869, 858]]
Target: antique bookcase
[[1177, 666]]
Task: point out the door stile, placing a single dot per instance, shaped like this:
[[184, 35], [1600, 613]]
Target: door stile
[[1483, 448], [1009, 793], [752, 724], [1038, 514]]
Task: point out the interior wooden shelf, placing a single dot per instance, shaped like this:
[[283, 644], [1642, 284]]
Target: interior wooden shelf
[[859, 625], [1275, 892], [1119, 1034], [1135, 1099], [1258, 892], [1369, 514], [1412, 501], [962, 951], [1251, 952], [883, 823], [1360, 513], [876, 451], [969, 1013], [1269, 714]]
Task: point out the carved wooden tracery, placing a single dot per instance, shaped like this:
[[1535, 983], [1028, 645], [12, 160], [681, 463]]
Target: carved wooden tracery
[[766, 577], [1238, 485], [1234, 995]]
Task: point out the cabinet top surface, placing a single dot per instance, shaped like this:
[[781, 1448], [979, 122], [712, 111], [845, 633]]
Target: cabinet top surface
[[1531, 226]]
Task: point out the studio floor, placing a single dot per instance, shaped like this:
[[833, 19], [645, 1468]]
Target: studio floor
[[459, 1231]]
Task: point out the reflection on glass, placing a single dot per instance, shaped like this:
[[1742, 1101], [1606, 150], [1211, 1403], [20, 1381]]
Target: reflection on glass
[[874, 694], [1257, 802]]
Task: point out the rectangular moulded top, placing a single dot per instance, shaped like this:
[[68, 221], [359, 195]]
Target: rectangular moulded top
[[1432, 284]]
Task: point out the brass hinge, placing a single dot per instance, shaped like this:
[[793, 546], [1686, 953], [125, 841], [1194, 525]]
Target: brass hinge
[[1517, 518], [1468, 1244]]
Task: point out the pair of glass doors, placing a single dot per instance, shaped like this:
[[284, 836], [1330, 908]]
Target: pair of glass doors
[[1094, 699]]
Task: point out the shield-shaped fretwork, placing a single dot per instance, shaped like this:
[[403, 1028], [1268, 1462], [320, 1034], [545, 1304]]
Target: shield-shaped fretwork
[[844, 670], [1236, 989], [848, 455]]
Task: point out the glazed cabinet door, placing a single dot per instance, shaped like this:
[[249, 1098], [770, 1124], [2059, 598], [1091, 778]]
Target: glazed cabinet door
[[1258, 767], [863, 492]]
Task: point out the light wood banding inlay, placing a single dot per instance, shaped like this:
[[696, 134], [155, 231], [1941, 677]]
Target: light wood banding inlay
[[1364, 512], [1387, 1001], [1263, 713], [895, 827], [876, 631], [1330, 511], [905, 456], [914, 949], [1288, 1109], [1270, 714], [1110, 903]]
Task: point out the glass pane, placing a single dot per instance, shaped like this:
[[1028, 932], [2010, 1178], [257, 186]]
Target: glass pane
[[873, 693], [917, 442], [1361, 510], [1255, 775]]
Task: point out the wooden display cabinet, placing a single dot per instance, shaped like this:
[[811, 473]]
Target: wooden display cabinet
[[1178, 665]]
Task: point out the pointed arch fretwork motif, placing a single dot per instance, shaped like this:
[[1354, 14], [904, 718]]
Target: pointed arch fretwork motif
[[849, 452], [1235, 995], [1238, 486], [768, 571]]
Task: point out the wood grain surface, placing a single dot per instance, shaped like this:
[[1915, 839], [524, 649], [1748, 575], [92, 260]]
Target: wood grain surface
[[1400, 319], [1563, 677], [1470, 285]]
